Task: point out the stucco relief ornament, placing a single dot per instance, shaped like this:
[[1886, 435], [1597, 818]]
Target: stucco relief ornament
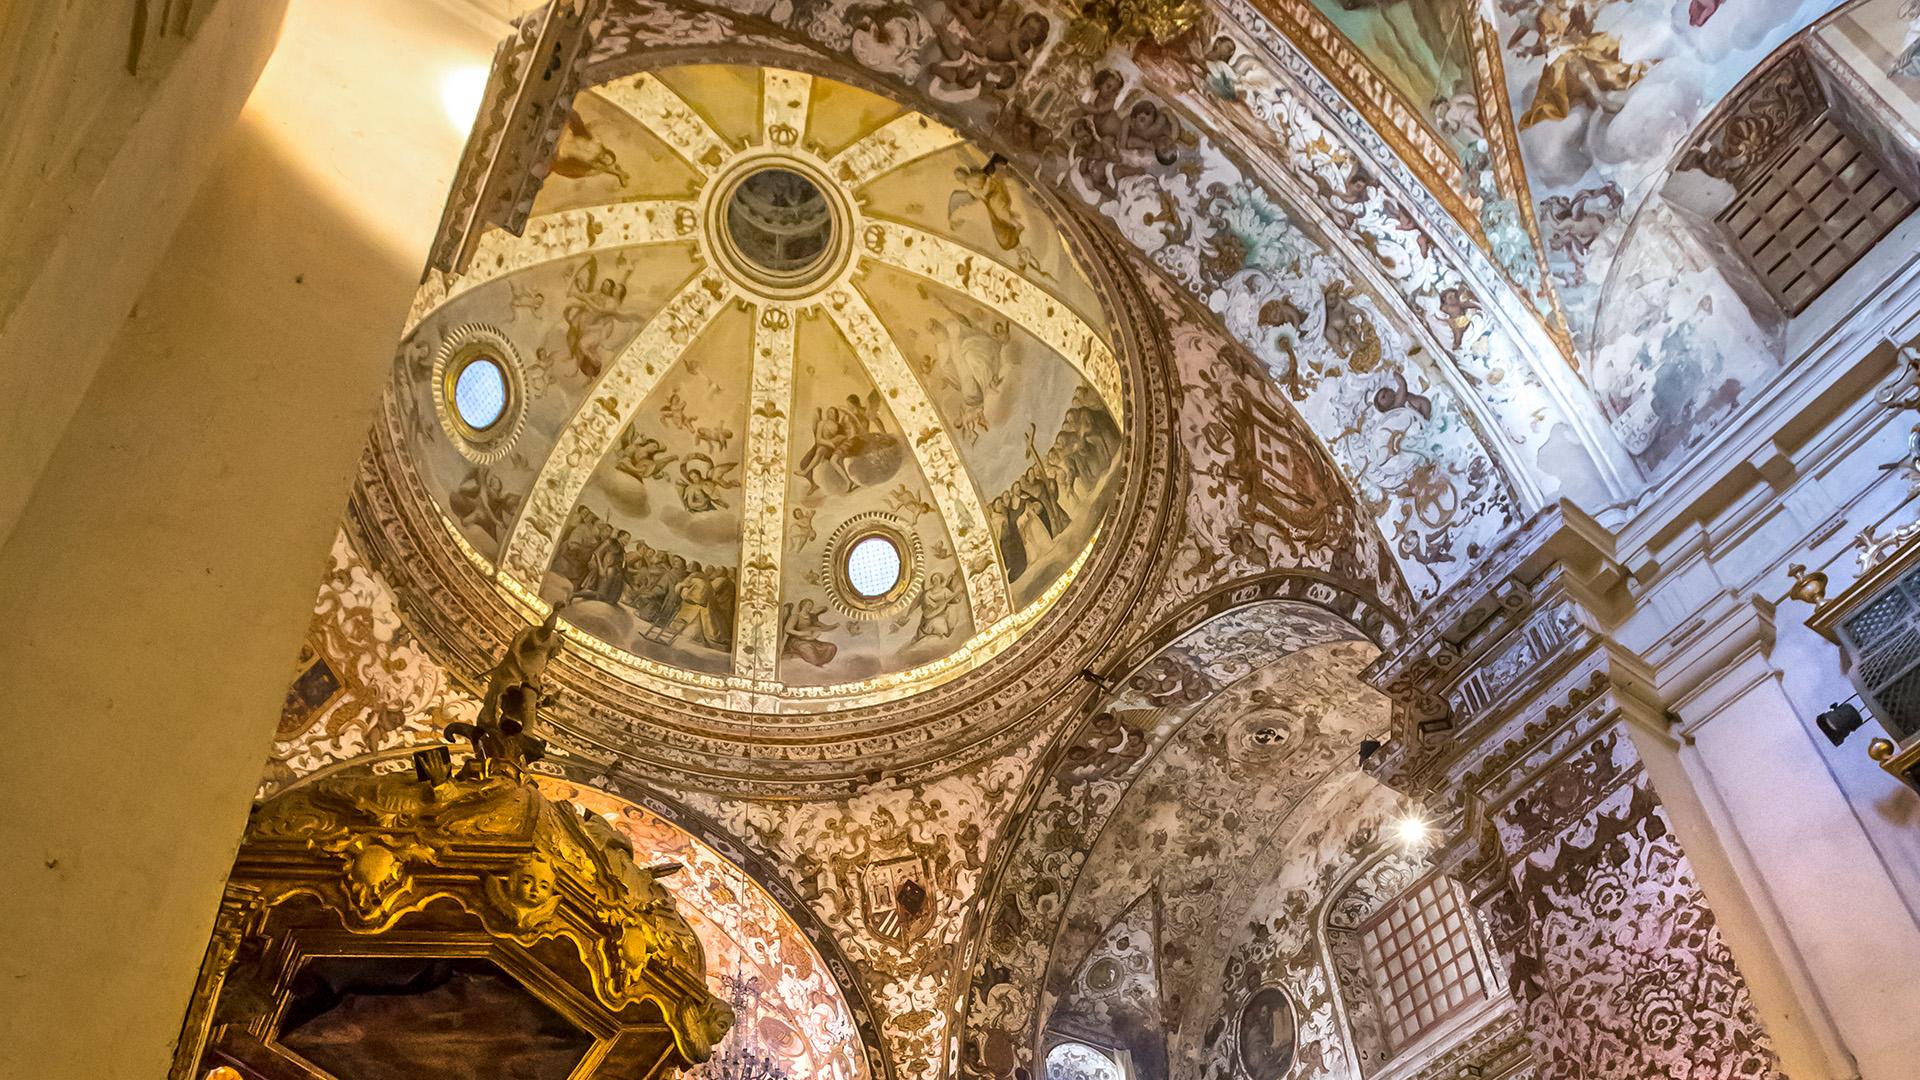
[[1901, 392], [1129, 21], [378, 873], [1902, 388]]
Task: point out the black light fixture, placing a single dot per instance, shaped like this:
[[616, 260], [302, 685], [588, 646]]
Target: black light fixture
[[1839, 721], [1368, 747]]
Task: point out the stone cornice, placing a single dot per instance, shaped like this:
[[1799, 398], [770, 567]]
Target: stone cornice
[[1534, 606]]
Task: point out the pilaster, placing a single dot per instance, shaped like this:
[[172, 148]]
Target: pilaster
[[1517, 714]]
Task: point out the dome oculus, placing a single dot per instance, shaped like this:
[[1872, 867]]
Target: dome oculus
[[873, 567], [875, 564], [780, 221]]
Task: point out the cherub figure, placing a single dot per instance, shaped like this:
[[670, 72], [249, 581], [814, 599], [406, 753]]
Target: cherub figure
[[988, 44], [1104, 136], [483, 502], [802, 533], [529, 893], [907, 502], [674, 413], [526, 298]]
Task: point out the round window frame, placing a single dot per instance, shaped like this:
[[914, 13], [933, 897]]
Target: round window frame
[[752, 277], [849, 600], [807, 271], [468, 362], [461, 348]]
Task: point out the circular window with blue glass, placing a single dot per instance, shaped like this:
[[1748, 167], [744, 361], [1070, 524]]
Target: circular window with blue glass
[[874, 565], [478, 391]]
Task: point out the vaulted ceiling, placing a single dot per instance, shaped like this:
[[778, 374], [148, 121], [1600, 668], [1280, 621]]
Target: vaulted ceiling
[[1180, 352]]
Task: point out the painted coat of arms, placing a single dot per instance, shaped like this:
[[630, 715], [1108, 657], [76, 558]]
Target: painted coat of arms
[[897, 898]]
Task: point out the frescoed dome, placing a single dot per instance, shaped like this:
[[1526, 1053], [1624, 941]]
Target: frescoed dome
[[790, 398]]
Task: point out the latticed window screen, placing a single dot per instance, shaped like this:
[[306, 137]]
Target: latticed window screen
[[1804, 221], [1884, 637], [1421, 953]]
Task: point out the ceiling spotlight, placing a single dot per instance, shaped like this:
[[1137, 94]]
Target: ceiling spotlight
[[1368, 748], [1839, 721], [1412, 831]]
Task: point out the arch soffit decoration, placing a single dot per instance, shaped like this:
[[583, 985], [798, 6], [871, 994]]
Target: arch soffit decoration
[[615, 788], [1333, 843], [1273, 750], [1173, 676], [1313, 226]]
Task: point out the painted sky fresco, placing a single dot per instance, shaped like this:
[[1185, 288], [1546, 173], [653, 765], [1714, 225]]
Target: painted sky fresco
[[1604, 91], [876, 476], [1421, 46], [954, 192], [662, 513], [1673, 329]]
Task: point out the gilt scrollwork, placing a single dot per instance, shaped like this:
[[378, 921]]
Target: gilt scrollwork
[[437, 861]]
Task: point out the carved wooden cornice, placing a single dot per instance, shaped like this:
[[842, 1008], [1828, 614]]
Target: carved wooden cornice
[[537, 70], [435, 864]]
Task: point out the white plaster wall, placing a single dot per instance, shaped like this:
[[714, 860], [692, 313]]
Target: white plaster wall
[[173, 527]]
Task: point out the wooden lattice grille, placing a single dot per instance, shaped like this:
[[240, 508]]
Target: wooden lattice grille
[[1804, 221], [1421, 953]]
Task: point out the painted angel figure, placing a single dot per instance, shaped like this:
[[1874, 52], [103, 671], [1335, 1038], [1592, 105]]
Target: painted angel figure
[[802, 532], [582, 154], [701, 482], [593, 316], [936, 606], [801, 626], [988, 188], [642, 457], [674, 414]]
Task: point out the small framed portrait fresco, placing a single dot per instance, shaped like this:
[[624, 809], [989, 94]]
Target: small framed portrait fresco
[[1267, 1032]]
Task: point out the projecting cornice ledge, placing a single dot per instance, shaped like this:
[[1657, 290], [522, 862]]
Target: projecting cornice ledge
[[1529, 628]]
